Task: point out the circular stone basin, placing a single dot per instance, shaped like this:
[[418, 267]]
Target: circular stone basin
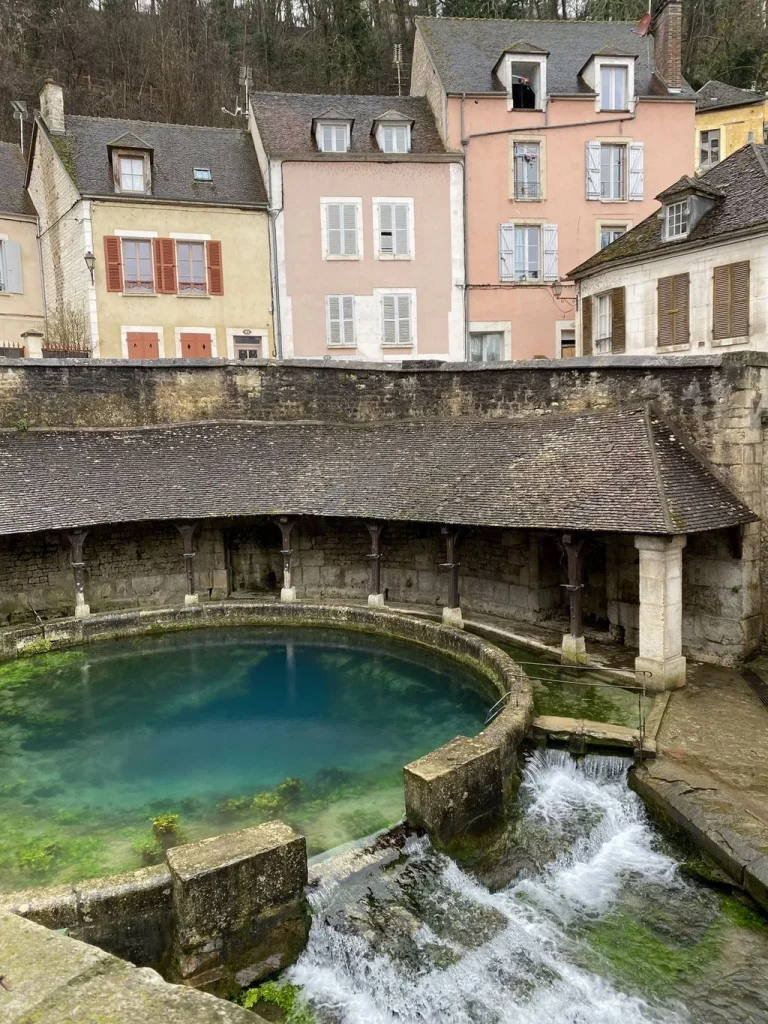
[[100, 747]]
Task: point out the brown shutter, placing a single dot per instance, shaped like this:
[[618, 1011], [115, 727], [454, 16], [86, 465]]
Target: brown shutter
[[114, 263], [165, 265], [673, 312], [682, 314], [618, 327], [215, 272], [586, 325], [740, 302], [664, 290], [195, 345]]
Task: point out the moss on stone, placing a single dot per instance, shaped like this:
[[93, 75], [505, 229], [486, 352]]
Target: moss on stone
[[283, 995]]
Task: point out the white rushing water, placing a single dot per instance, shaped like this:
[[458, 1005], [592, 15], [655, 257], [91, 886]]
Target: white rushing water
[[476, 957]]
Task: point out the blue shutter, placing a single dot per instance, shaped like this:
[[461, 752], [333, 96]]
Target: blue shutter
[[11, 252]]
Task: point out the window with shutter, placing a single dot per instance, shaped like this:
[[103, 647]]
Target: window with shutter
[[673, 310], [618, 321], [593, 170], [341, 230], [214, 267], [113, 263], [527, 164], [730, 301], [506, 252], [550, 233], [394, 230], [165, 265], [340, 319], [604, 333], [137, 265], [396, 315], [586, 326], [11, 279], [191, 268]]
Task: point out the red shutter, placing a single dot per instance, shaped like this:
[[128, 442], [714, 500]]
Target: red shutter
[[165, 265], [215, 272], [114, 263], [142, 345], [194, 345]]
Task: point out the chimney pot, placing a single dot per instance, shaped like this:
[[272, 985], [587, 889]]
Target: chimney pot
[[52, 105], [668, 42]]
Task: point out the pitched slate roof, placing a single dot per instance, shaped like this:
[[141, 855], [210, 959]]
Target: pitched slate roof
[[285, 121], [717, 95], [13, 195], [741, 181], [690, 184], [620, 472], [466, 50], [177, 149]]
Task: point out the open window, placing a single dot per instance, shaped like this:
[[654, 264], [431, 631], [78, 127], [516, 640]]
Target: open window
[[523, 70]]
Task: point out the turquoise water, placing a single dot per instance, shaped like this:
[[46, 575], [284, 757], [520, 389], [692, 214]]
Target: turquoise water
[[220, 729]]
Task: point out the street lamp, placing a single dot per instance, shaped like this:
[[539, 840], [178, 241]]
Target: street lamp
[[90, 262], [557, 288]]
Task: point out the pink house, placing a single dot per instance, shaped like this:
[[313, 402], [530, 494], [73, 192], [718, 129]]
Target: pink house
[[568, 129], [367, 230]]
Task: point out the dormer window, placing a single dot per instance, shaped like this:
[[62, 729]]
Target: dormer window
[[523, 70], [677, 218], [132, 174], [613, 87], [394, 138], [202, 174], [333, 137], [611, 76], [131, 160]]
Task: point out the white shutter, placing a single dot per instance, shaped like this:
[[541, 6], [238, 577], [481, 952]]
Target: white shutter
[[550, 252], [506, 252], [404, 319], [402, 246], [386, 230], [333, 229], [593, 170], [11, 255], [334, 320], [389, 319], [350, 229], [636, 171], [348, 310]]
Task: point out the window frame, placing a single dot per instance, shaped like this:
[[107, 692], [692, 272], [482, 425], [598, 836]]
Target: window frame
[[344, 342], [519, 188], [138, 155], [325, 203], [709, 162], [602, 316], [732, 334], [613, 70], [527, 276], [197, 292], [623, 149], [128, 240], [335, 126], [202, 174], [397, 294], [684, 220], [393, 201], [485, 335], [521, 61], [603, 226], [395, 127], [673, 311]]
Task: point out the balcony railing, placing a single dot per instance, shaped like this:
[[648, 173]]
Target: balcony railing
[[527, 190]]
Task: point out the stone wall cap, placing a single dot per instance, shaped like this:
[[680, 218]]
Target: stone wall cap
[[212, 854]]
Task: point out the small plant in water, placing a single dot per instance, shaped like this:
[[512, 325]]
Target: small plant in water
[[165, 828], [37, 860], [265, 804], [289, 792], [150, 852], [287, 997]]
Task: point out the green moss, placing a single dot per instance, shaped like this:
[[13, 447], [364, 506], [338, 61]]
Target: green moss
[[166, 830], [739, 915], [41, 646], [287, 997]]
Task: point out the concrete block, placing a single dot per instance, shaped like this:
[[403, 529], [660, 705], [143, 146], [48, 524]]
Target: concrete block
[[452, 617], [662, 674], [756, 881], [574, 650], [288, 595], [376, 600]]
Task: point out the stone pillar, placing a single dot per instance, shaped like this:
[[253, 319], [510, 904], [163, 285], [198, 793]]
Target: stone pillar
[[452, 611], [286, 524], [375, 597], [661, 612], [574, 646], [76, 539], [187, 531]]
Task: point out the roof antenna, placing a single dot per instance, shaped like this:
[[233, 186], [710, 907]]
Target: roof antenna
[[245, 79], [397, 60], [20, 114]]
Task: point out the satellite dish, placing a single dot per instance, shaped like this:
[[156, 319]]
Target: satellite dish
[[644, 24]]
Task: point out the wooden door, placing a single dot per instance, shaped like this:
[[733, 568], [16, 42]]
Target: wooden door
[[195, 346], [143, 345]]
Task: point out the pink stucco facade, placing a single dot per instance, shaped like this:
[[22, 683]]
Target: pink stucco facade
[[432, 274], [529, 312]]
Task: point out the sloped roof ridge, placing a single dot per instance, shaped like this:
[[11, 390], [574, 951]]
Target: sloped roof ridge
[[154, 124]]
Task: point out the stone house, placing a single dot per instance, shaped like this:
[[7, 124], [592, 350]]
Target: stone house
[[693, 277], [154, 237], [21, 294], [727, 118], [568, 130], [367, 220]]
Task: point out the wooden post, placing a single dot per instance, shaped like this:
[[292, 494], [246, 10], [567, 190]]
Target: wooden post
[[76, 540], [286, 524], [187, 531], [452, 611], [574, 647], [375, 598]]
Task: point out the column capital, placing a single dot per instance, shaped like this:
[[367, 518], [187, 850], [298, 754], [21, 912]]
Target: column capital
[[655, 542]]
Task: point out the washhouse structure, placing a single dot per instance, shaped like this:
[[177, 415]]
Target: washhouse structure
[[499, 491]]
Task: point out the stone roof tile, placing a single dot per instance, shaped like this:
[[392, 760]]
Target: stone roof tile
[[13, 195], [716, 95]]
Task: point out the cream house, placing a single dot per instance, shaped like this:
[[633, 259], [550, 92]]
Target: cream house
[[21, 295], [154, 237]]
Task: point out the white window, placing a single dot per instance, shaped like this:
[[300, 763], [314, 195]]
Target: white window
[[528, 252], [709, 148], [396, 317], [394, 138], [202, 174], [394, 230], [247, 346], [10, 268], [603, 324], [340, 321], [527, 170], [132, 174], [341, 230], [191, 270], [137, 265], [613, 87], [333, 138], [609, 233], [613, 171], [677, 219], [486, 346]]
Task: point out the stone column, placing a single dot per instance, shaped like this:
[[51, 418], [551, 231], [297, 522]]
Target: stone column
[[376, 597], [574, 646], [452, 611], [286, 524], [76, 539], [661, 611], [187, 531]]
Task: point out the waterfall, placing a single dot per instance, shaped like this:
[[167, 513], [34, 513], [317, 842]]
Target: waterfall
[[429, 945]]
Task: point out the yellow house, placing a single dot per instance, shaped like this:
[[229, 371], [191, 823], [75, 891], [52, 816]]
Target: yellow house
[[21, 295], [154, 238], [727, 118]]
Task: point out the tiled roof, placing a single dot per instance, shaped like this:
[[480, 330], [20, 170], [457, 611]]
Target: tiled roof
[[177, 150], [742, 183], [620, 472], [13, 195], [466, 50], [688, 184], [716, 95], [285, 121]]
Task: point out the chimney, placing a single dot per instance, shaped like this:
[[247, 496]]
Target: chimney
[[52, 105], [667, 28]]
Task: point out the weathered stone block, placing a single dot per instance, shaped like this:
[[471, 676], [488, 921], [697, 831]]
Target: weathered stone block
[[756, 881]]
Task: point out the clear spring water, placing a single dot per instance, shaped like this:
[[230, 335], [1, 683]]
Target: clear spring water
[[599, 926], [208, 725]]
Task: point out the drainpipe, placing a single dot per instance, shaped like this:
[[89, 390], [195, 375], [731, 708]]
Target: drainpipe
[[273, 214], [465, 203]]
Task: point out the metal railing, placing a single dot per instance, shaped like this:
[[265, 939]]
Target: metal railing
[[527, 190]]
